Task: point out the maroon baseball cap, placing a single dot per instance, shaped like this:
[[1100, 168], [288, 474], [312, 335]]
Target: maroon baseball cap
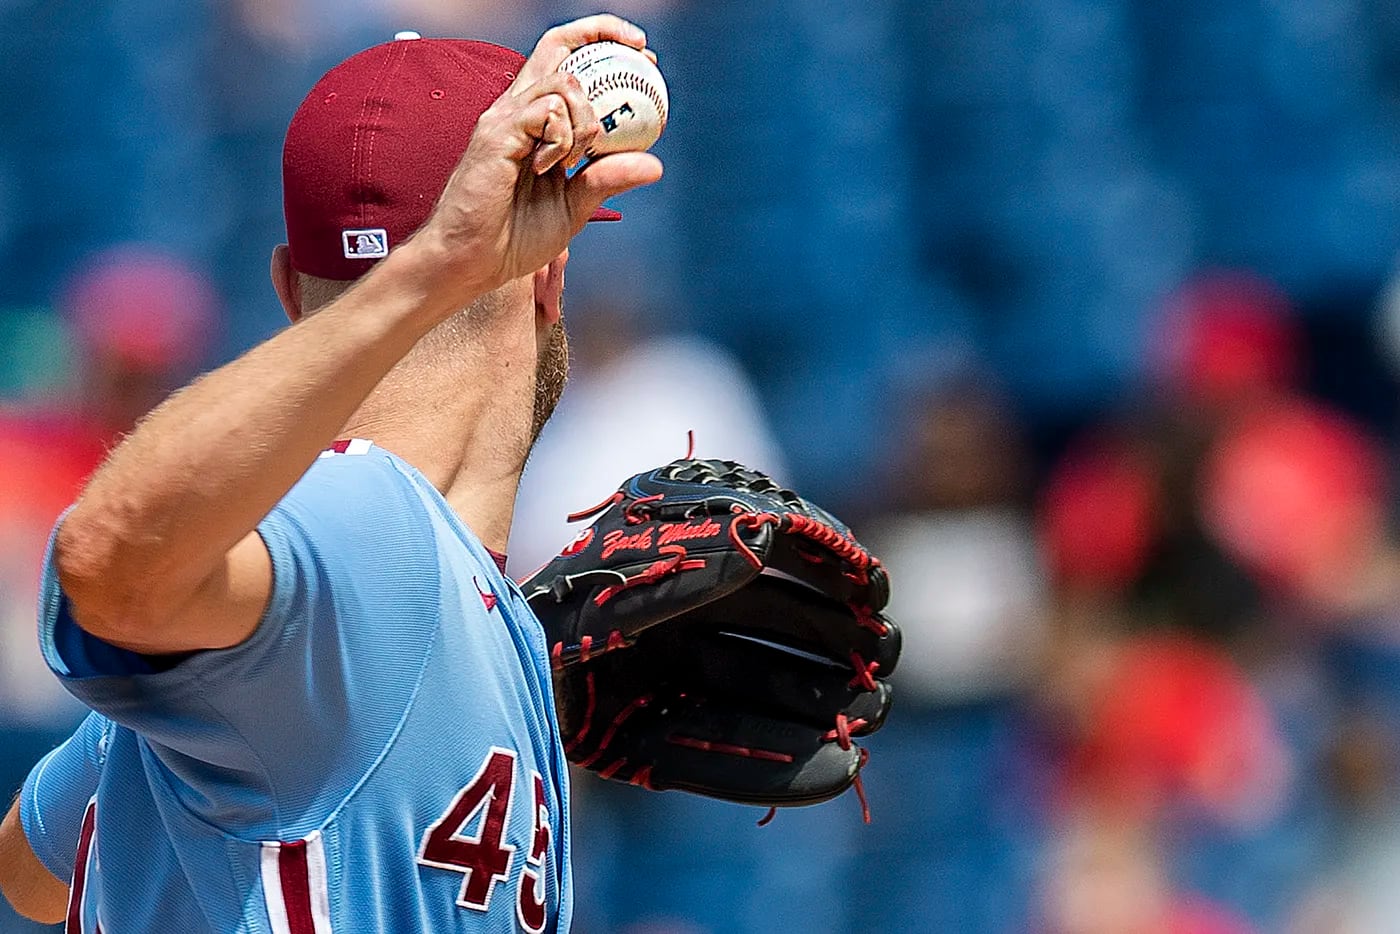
[[371, 147]]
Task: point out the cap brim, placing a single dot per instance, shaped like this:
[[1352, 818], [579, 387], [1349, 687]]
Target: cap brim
[[606, 214]]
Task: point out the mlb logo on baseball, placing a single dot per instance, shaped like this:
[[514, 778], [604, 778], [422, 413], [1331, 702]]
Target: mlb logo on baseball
[[365, 244], [609, 121]]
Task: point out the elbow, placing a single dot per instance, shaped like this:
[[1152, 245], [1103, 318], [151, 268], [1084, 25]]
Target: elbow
[[35, 905], [105, 595]]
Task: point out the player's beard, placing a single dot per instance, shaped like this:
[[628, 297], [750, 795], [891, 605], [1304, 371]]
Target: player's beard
[[550, 376]]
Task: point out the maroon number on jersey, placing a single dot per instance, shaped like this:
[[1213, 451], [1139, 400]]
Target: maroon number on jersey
[[530, 902], [483, 859]]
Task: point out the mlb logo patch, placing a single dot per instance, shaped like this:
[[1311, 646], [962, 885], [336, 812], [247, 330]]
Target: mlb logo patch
[[365, 244]]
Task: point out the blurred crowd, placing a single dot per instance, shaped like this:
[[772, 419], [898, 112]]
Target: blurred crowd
[[1082, 311]]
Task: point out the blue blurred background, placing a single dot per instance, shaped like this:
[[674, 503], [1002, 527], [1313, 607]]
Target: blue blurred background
[[1080, 309]]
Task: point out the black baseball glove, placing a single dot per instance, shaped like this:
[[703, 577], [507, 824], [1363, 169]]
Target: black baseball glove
[[714, 633]]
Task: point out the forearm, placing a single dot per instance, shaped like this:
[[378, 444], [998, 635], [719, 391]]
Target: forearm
[[205, 467], [30, 888]]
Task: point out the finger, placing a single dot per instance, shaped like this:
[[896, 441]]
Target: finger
[[545, 124], [556, 142], [556, 44], [583, 122], [611, 175]]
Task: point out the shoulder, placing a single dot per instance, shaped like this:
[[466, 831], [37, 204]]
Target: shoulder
[[357, 488], [350, 520]]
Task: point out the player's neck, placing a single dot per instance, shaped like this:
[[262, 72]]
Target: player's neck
[[468, 437]]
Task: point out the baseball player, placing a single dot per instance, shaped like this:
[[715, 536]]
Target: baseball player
[[319, 705]]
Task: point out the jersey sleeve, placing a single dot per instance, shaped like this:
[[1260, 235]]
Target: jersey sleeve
[[301, 708], [57, 792]]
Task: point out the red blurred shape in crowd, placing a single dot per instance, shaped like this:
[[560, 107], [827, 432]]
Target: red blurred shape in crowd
[[43, 466], [148, 309], [1174, 718], [1194, 915], [1099, 514], [1228, 337], [1295, 492], [143, 320]]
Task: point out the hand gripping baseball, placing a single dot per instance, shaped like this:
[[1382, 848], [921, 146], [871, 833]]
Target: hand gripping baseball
[[509, 208]]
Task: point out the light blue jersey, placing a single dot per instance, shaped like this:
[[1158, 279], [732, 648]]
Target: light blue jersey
[[381, 755]]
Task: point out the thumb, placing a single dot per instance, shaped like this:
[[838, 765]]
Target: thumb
[[607, 176]]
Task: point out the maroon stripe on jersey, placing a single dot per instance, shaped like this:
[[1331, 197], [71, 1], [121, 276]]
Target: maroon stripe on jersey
[[340, 447], [296, 887], [80, 871]]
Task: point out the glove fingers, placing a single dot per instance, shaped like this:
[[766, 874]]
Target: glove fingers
[[795, 614], [752, 760], [716, 750], [751, 672]]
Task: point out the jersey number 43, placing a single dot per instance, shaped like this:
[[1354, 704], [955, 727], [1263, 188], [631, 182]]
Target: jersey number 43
[[484, 859]]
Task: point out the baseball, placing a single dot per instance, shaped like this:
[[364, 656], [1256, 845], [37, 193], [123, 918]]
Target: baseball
[[627, 92]]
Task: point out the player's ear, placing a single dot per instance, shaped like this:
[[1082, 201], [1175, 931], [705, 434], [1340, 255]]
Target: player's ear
[[284, 281], [549, 290]]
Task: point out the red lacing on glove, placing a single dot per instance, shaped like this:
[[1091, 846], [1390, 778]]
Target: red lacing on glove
[[866, 619], [617, 497], [632, 517], [865, 673], [747, 752], [617, 721], [860, 787], [615, 642], [642, 779], [578, 737], [842, 737], [673, 564], [751, 521], [840, 545], [797, 524], [589, 513]]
